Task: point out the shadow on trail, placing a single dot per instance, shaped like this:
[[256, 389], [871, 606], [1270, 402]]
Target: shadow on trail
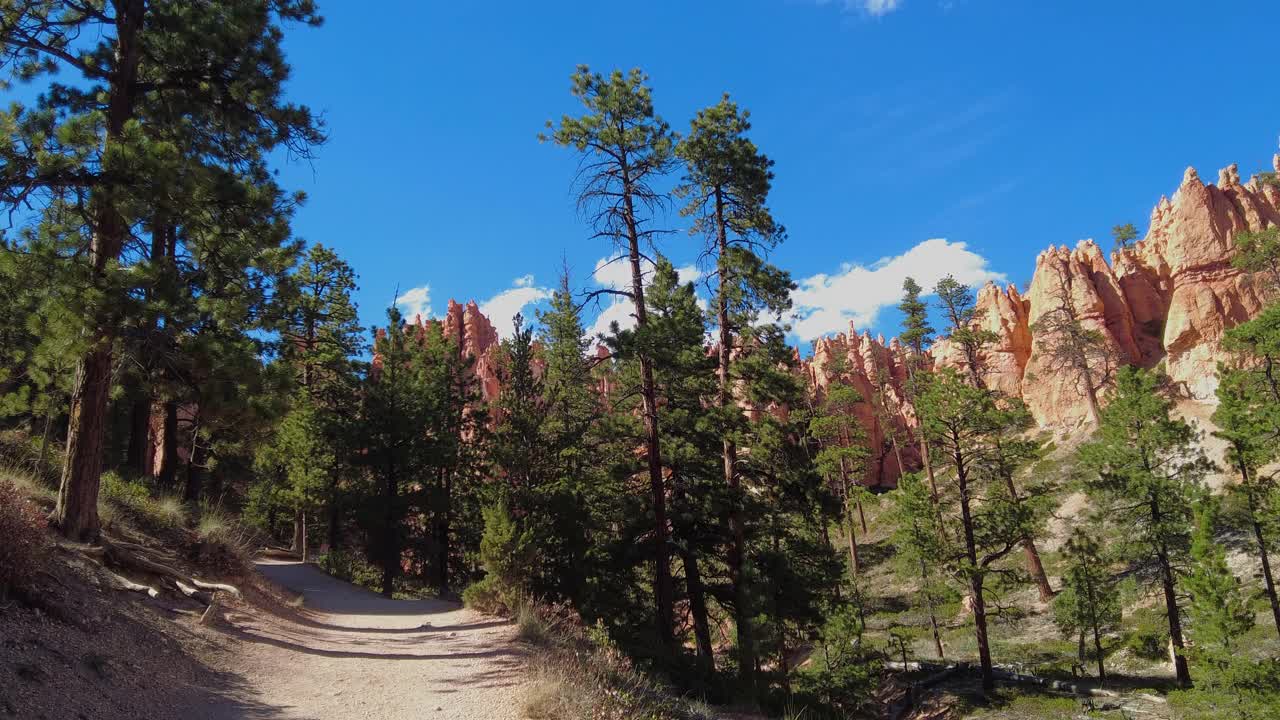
[[248, 635]]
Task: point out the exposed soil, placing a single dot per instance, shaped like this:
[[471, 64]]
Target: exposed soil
[[352, 653], [110, 654]]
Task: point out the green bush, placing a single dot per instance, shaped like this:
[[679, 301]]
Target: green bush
[[351, 567], [507, 552]]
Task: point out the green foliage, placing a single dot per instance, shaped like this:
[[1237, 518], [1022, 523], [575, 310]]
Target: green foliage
[[1088, 605], [1219, 609], [960, 310], [1124, 234], [849, 668], [507, 552], [351, 566], [1149, 469], [1259, 252]]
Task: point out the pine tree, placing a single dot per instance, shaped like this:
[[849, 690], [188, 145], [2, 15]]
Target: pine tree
[[1124, 234], [1219, 611], [1248, 419], [1090, 599], [977, 435], [1258, 252], [916, 334], [626, 150], [397, 409], [842, 453], [917, 538], [103, 150], [726, 185], [684, 379], [960, 309], [571, 434], [1149, 472]]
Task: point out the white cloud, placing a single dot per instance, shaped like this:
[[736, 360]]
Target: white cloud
[[415, 302], [875, 8], [878, 8], [616, 275], [827, 304], [501, 308]]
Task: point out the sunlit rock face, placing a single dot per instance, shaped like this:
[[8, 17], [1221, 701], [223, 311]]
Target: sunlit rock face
[[1169, 297], [878, 372]]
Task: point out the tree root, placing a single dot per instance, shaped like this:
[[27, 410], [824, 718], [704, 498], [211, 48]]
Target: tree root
[[134, 557], [127, 584]]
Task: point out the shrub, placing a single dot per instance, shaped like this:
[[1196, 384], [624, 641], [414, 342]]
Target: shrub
[[506, 552], [22, 535], [351, 567]]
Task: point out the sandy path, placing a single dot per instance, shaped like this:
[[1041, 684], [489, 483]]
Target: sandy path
[[356, 654]]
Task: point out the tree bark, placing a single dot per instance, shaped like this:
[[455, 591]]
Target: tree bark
[[729, 458], [698, 610], [167, 474], [933, 616], [299, 544], [1261, 539], [76, 512], [1174, 614], [975, 578], [664, 601], [1034, 566]]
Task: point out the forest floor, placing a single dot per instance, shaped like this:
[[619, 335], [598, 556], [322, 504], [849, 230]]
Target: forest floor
[[348, 652]]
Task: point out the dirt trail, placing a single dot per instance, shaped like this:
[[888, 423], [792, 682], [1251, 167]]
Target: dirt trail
[[354, 654]]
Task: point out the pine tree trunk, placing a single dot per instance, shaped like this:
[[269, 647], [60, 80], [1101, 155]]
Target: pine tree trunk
[[76, 513], [933, 615], [300, 533], [663, 595], [1034, 566], [1260, 537], [975, 579], [848, 515], [729, 457], [698, 610], [167, 475], [139, 431], [1174, 614]]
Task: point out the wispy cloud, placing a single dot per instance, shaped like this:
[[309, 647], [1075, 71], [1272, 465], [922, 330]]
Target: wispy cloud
[[415, 302], [877, 8], [874, 8], [827, 304]]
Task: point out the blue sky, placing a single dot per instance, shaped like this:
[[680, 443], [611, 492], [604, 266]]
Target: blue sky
[[910, 135]]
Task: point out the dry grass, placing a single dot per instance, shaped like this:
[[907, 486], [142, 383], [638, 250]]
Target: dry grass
[[223, 543], [581, 674]]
